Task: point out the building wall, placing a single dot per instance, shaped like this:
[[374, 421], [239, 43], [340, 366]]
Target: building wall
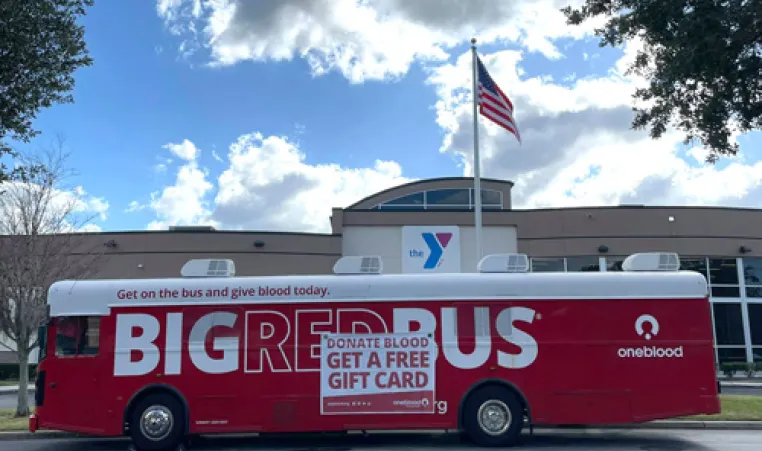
[[7, 348], [580, 231], [162, 254], [388, 242]]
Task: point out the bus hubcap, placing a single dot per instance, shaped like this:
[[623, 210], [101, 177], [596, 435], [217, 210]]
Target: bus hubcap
[[156, 423], [494, 417]]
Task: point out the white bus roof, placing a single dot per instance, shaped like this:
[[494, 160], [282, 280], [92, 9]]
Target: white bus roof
[[96, 297]]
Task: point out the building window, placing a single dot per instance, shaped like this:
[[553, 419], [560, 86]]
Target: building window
[[697, 264], [584, 263], [547, 265], [445, 199], [728, 323], [448, 198], [491, 198], [395, 207], [723, 278], [752, 274], [731, 355], [729, 332], [410, 199], [755, 326]]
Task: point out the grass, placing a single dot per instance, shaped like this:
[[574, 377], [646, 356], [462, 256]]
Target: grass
[[734, 408], [9, 423], [4, 383]]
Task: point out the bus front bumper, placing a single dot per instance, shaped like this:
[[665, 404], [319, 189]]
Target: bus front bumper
[[33, 424]]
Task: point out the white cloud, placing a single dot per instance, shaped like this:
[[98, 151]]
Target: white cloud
[[63, 210], [85, 203], [185, 150], [183, 203], [135, 206], [362, 39], [90, 228], [267, 185], [578, 148]]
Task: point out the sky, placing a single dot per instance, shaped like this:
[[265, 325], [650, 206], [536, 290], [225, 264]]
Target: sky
[[265, 115]]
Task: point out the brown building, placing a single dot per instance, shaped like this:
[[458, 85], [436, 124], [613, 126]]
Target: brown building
[[724, 244]]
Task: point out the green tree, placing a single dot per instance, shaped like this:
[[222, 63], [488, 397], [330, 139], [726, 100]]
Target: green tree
[[41, 45], [702, 59]]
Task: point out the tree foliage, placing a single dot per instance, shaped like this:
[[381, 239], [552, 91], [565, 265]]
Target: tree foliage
[[39, 244], [41, 46], [702, 60]]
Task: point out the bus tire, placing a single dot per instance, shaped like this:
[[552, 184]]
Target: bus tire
[[157, 422], [493, 416]]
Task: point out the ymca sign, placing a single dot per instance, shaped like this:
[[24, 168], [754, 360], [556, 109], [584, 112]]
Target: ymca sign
[[430, 249]]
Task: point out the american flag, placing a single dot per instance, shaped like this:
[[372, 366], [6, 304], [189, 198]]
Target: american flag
[[493, 104]]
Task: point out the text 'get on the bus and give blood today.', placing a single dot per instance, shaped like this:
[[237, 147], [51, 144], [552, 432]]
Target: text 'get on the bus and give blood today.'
[[234, 293]]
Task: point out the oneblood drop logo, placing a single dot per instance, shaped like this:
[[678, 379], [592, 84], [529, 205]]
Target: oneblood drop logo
[[649, 352]]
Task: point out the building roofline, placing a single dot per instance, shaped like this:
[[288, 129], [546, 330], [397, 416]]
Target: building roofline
[[401, 210], [422, 182], [644, 207], [211, 232], [391, 209]]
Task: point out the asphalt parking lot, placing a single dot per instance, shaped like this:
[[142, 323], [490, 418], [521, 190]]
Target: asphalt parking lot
[[546, 440]]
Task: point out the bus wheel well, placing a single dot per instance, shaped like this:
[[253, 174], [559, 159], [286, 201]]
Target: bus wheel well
[[493, 383], [151, 390]]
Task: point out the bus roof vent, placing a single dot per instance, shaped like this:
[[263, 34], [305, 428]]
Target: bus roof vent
[[208, 267], [367, 264], [652, 261], [504, 263]]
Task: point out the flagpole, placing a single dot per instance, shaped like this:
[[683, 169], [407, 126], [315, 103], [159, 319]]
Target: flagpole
[[477, 169]]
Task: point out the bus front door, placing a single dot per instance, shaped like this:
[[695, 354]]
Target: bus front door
[[72, 375]]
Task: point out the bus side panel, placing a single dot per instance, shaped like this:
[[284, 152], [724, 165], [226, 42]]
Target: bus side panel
[[576, 362], [593, 367]]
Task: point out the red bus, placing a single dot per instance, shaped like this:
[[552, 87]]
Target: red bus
[[486, 353]]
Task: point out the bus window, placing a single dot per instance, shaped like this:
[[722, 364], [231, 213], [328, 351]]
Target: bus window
[[42, 340], [77, 336]]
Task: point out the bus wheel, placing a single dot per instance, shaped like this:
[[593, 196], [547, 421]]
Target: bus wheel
[[156, 423], [493, 416]]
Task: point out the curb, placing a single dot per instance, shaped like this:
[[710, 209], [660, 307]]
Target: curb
[[653, 425], [673, 424], [13, 390], [39, 435], [741, 384]]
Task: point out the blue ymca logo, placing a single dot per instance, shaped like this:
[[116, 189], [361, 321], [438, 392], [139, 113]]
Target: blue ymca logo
[[437, 243]]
